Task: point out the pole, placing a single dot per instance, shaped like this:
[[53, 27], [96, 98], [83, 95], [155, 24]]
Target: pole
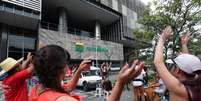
[[96, 54]]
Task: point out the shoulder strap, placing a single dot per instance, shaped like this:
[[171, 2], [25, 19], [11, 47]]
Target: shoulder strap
[[189, 92]]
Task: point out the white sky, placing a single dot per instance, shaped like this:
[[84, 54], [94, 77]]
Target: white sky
[[145, 1]]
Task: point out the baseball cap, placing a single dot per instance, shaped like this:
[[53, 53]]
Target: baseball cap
[[188, 63]]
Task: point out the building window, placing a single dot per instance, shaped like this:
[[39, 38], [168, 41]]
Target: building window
[[20, 42]]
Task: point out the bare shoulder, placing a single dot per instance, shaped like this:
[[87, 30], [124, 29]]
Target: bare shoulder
[[66, 98]]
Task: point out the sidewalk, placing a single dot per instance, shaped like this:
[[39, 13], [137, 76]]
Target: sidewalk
[[126, 96]]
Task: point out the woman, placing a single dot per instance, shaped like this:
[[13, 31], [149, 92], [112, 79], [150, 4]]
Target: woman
[[16, 77], [106, 83], [184, 84], [50, 63], [138, 89]]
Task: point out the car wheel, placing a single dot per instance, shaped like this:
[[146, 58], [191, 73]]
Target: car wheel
[[85, 86]]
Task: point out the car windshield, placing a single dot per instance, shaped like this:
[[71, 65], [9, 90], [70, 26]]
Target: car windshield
[[91, 73], [86, 73], [95, 72]]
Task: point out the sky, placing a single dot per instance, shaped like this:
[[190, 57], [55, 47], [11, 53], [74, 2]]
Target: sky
[[145, 1]]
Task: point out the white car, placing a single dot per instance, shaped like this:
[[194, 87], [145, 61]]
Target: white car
[[89, 79]]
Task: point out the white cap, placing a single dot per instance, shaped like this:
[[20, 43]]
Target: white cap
[[188, 63]]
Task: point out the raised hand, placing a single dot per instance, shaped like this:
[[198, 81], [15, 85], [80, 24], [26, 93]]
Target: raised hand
[[26, 63], [128, 73], [29, 57], [166, 33], [185, 38], [85, 65]]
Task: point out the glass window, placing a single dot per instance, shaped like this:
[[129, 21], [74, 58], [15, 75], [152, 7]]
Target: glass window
[[1, 5], [20, 42], [9, 7]]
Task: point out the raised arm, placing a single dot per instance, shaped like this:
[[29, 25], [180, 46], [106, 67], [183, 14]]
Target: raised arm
[[109, 66], [26, 63], [172, 83], [102, 66], [73, 82], [184, 43], [125, 75]]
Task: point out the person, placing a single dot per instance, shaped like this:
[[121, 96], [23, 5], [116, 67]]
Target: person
[[106, 83], [105, 67], [68, 75], [125, 75], [161, 89], [145, 78], [17, 75], [138, 88], [50, 64], [184, 82]]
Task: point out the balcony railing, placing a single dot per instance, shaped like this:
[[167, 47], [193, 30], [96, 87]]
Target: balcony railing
[[70, 30], [31, 4], [99, 4], [8, 7]]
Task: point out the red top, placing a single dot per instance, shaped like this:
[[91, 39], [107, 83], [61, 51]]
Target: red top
[[48, 95], [18, 85]]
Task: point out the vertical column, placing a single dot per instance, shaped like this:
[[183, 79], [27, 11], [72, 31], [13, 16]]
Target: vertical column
[[62, 20], [3, 42], [97, 30]]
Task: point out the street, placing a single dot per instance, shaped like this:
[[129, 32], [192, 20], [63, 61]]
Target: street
[[90, 95]]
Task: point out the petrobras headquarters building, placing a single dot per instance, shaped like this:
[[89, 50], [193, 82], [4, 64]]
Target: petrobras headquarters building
[[102, 29]]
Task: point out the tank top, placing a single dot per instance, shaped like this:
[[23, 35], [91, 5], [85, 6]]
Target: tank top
[[48, 95]]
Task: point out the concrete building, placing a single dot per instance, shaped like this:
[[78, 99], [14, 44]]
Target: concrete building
[[100, 28]]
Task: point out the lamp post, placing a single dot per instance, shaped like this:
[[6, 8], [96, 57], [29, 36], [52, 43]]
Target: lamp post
[[96, 54], [97, 32]]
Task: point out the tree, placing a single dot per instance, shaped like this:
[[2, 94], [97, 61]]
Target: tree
[[194, 44], [143, 49], [182, 15]]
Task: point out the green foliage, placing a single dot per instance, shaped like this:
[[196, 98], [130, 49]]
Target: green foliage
[[182, 15], [194, 45], [151, 78]]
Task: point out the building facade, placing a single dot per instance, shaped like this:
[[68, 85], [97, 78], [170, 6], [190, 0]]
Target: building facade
[[19, 21], [102, 29]]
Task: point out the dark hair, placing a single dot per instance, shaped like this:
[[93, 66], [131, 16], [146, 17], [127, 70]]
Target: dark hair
[[49, 63], [194, 85]]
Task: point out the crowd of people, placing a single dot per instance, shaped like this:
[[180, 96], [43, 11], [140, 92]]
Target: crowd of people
[[50, 62]]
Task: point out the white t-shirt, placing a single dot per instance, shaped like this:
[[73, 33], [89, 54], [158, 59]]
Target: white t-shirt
[[162, 88], [140, 76]]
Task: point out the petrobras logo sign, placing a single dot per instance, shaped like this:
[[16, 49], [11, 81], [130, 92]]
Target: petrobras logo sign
[[80, 47]]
